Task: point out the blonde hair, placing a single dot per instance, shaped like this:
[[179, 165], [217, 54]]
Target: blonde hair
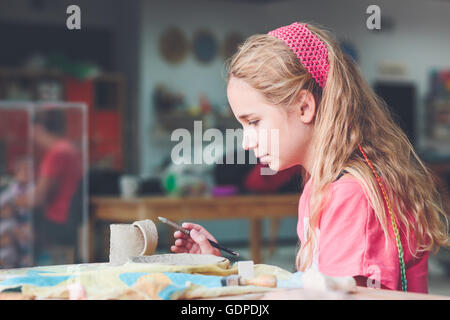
[[348, 113]]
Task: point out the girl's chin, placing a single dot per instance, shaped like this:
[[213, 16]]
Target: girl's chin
[[274, 165], [277, 165]]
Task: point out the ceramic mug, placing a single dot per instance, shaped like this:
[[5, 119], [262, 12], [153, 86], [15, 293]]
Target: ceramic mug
[[129, 186]]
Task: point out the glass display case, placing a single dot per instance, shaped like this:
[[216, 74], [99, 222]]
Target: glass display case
[[43, 184]]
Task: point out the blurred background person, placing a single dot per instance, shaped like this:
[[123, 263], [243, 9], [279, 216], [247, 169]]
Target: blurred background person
[[56, 196], [16, 237]]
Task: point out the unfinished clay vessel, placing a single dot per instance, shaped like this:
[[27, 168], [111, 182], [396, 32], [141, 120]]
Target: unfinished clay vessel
[[127, 240]]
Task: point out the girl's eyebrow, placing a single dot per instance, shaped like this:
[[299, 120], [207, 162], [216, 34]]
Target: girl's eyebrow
[[245, 116]]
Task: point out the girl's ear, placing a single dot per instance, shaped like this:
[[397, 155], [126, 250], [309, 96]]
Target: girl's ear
[[306, 106]]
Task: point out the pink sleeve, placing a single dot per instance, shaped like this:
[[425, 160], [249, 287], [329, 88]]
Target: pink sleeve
[[343, 231]]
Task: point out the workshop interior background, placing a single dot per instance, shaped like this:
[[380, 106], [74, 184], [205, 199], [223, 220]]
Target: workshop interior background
[[136, 70]]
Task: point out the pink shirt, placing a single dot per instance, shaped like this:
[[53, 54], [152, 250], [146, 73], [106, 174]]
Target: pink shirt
[[352, 242]]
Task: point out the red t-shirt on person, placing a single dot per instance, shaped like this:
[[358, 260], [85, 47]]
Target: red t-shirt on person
[[256, 182], [62, 163]]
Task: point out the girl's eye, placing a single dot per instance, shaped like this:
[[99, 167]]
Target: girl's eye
[[254, 122]]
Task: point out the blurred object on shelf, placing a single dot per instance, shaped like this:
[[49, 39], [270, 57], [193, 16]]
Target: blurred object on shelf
[[194, 110], [17, 90], [166, 101], [173, 113], [173, 45], [393, 70], [36, 61], [205, 46], [129, 186], [50, 90], [188, 179], [205, 104], [438, 107], [80, 70], [59, 62], [209, 119], [225, 190]]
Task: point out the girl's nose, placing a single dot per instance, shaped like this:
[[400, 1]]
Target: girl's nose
[[250, 139]]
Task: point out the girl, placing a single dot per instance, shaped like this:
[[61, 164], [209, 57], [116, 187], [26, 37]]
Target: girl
[[369, 207]]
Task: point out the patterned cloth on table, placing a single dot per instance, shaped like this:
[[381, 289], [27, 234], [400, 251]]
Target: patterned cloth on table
[[132, 280]]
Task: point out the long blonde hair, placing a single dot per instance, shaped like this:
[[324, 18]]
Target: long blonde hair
[[348, 113]]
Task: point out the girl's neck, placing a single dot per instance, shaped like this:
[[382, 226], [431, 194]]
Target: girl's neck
[[308, 160]]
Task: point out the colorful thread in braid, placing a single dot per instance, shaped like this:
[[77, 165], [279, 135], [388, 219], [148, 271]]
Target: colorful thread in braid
[[394, 225]]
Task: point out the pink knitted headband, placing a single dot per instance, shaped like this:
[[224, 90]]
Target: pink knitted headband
[[311, 51]]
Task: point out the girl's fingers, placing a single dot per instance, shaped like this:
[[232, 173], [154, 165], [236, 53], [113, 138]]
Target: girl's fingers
[[196, 241], [183, 243], [180, 235], [202, 241], [193, 226], [178, 249], [199, 228], [190, 225]]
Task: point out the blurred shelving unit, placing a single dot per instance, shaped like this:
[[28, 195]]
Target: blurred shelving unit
[[438, 107], [104, 95]]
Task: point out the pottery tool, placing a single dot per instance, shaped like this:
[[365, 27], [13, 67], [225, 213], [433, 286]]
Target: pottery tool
[[187, 232], [264, 280]]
